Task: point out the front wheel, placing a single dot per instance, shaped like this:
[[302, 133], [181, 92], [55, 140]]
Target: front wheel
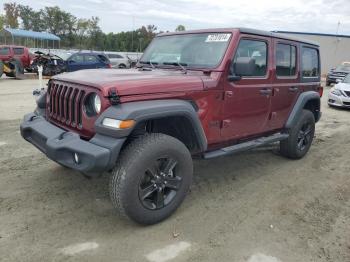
[[151, 178], [300, 137]]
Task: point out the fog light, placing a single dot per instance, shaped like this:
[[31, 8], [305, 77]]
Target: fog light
[[76, 158]]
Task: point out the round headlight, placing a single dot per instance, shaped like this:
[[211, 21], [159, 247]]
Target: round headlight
[[97, 103]]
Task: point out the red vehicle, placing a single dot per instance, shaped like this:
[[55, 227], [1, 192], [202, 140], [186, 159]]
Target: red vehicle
[[19, 53], [207, 93]]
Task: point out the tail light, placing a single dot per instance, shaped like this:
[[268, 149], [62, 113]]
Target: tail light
[[320, 91], [109, 65]]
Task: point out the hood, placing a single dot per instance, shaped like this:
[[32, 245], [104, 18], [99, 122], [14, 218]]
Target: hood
[[343, 86], [135, 81]]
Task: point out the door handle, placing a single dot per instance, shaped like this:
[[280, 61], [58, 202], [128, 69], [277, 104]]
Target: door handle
[[293, 89], [266, 91]]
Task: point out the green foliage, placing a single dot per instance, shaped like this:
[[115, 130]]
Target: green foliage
[[80, 33], [11, 14], [180, 28]]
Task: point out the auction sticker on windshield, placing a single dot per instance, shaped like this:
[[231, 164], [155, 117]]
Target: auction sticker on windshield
[[218, 38]]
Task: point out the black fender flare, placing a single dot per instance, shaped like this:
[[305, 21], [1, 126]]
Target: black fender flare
[[300, 105], [149, 110]]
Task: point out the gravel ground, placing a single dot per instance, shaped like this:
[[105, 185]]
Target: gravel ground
[[255, 206]]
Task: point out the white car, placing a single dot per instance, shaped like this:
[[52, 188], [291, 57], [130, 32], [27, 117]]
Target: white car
[[119, 60], [339, 95]]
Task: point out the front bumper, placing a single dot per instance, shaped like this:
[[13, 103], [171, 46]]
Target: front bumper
[[339, 101], [95, 156]]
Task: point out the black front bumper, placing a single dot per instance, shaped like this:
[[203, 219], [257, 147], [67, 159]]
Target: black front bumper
[[95, 156]]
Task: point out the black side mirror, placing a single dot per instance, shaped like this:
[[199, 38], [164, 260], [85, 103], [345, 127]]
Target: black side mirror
[[243, 66], [71, 61]]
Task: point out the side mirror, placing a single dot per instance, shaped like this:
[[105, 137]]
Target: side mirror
[[71, 61], [338, 81], [244, 66]]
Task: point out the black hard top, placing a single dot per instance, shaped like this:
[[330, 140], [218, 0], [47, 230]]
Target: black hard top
[[244, 31]]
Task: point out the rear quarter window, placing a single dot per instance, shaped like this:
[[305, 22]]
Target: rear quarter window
[[310, 62], [18, 51]]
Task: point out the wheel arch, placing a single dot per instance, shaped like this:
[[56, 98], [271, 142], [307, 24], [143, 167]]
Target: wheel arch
[[309, 100], [177, 118]]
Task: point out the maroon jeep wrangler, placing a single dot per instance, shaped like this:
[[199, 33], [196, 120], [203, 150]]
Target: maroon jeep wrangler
[[208, 93]]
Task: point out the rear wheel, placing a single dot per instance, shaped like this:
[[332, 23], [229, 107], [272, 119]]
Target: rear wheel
[[300, 137], [151, 178]]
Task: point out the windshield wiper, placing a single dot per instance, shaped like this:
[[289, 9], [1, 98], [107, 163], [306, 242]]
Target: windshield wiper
[[149, 63], [182, 65]]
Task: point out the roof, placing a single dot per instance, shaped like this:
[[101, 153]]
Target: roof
[[308, 33], [244, 30], [32, 34]]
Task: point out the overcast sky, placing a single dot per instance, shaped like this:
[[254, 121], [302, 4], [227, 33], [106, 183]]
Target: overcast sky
[[320, 16]]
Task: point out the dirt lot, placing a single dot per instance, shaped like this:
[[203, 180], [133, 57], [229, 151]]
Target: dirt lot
[[256, 206]]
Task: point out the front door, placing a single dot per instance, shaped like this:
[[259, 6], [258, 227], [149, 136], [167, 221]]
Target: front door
[[75, 62], [247, 100]]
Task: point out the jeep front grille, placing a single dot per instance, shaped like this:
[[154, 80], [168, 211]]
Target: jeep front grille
[[65, 104]]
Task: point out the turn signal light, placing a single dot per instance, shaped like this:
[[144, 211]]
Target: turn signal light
[[118, 124]]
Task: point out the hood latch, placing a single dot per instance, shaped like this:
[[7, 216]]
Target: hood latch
[[113, 97]]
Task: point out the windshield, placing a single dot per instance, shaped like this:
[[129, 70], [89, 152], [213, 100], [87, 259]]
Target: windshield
[[343, 68], [347, 79], [204, 50]]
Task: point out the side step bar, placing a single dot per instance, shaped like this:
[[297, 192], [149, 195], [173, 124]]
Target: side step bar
[[245, 146]]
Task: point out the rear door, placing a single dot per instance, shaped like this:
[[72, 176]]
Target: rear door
[[18, 53], [286, 81], [247, 101]]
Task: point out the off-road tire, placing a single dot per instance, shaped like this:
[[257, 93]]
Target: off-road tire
[[289, 147], [130, 169]]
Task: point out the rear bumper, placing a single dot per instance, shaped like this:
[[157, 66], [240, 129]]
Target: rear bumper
[[94, 156]]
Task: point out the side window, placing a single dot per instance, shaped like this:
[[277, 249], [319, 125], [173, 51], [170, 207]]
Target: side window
[[310, 62], [103, 58], [91, 59], [18, 51], [285, 60], [114, 56], [4, 50], [256, 51], [77, 58]]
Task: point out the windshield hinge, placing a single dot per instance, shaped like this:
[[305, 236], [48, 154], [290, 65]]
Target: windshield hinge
[[113, 97]]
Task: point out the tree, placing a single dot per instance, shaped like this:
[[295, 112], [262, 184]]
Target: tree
[[11, 14], [2, 21], [31, 19], [180, 28]]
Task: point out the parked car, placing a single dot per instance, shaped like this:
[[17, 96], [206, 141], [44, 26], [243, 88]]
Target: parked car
[[19, 55], [338, 73], [224, 91], [119, 60], [339, 95], [87, 60], [52, 64]]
